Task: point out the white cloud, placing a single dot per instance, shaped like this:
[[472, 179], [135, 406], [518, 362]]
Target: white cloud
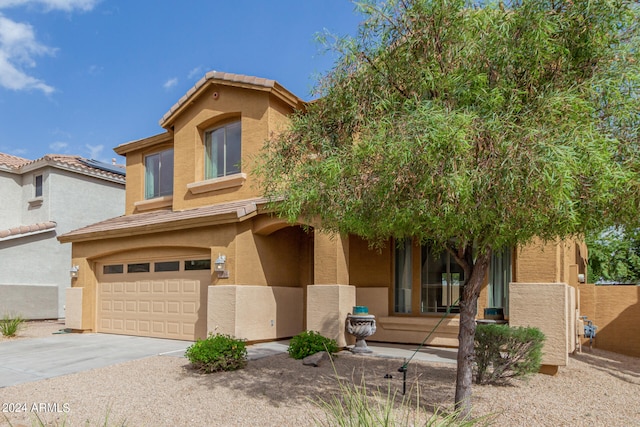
[[94, 151], [19, 46], [195, 72], [170, 83], [58, 146], [65, 5]]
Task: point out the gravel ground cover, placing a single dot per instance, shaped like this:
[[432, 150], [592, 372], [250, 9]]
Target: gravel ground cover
[[597, 388]]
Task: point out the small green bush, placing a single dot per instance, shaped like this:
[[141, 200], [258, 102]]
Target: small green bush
[[310, 342], [503, 352], [9, 325], [218, 353]]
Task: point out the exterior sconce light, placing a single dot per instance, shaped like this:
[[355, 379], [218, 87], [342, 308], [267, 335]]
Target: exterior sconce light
[[219, 267], [73, 272]]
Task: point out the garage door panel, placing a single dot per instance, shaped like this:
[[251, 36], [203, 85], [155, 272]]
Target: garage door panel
[[189, 307], [190, 287], [159, 287], [144, 287], [131, 325], [144, 307], [144, 326], [173, 286], [117, 306], [156, 308]]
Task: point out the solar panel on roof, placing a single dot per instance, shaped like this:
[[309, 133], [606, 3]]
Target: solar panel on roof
[[104, 166]]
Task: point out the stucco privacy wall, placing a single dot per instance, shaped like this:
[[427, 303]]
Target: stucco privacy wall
[[615, 310], [73, 319], [255, 312], [549, 307], [29, 301]]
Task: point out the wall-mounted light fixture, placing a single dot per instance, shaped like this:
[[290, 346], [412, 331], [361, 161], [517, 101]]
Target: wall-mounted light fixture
[[73, 272], [220, 267]]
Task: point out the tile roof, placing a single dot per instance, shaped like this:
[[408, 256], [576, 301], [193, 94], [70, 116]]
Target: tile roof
[[232, 78], [12, 161], [69, 162], [24, 230], [165, 220]]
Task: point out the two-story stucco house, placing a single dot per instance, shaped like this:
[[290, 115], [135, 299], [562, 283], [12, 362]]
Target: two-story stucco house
[[42, 199], [197, 252]]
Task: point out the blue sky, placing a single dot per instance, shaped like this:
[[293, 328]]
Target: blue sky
[[83, 76]]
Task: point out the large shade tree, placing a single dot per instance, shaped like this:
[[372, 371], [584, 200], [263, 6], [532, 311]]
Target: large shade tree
[[474, 127]]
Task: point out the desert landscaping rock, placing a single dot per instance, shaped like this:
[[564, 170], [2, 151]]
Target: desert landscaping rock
[[597, 388]]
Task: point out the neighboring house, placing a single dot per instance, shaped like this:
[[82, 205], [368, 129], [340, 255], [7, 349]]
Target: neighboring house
[[42, 199], [192, 200]]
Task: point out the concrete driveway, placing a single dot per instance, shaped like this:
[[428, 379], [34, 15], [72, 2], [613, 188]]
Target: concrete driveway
[[35, 359]]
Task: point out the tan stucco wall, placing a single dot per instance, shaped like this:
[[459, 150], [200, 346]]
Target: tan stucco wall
[[73, 309], [369, 267], [255, 313], [331, 259], [279, 259], [545, 306], [251, 107], [327, 310], [615, 310]]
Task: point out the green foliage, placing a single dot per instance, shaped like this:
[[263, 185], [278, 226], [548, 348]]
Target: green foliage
[[503, 352], [218, 353], [475, 126], [310, 342], [9, 325], [614, 256]]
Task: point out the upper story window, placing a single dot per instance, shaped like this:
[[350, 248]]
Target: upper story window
[[38, 185], [158, 180], [222, 151]]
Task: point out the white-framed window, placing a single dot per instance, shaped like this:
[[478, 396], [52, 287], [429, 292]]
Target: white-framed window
[[158, 180], [222, 151]]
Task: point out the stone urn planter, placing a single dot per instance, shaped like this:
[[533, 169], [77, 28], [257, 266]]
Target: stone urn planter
[[361, 326]]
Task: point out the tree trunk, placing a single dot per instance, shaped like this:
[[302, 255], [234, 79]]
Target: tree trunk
[[466, 352]]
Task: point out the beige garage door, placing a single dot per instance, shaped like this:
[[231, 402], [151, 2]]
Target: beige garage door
[[161, 307]]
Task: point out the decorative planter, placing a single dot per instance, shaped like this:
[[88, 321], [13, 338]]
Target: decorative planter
[[361, 326]]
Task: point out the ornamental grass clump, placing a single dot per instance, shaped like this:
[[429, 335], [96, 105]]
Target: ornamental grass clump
[[217, 353], [503, 352], [9, 325], [310, 342]]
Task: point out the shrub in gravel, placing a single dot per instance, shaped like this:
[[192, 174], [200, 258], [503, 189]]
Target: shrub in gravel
[[9, 325], [310, 342], [217, 353], [503, 352]]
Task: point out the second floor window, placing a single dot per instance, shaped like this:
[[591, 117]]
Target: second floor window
[[222, 151], [158, 180], [38, 185]]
